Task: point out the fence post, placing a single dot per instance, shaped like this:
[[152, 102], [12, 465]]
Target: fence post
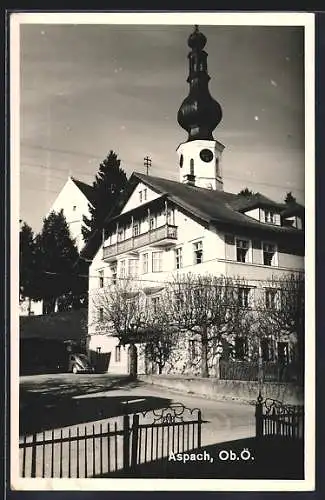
[[135, 437], [126, 442], [259, 416], [33, 469], [199, 422]]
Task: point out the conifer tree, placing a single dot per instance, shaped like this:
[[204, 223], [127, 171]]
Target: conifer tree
[[27, 263], [109, 183], [56, 254]]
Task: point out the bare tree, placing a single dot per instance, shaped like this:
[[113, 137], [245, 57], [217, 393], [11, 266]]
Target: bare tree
[[281, 313], [160, 337], [207, 306], [120, 310]]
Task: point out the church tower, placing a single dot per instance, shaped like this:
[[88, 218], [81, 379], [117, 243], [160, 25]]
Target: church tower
[[199, 114]]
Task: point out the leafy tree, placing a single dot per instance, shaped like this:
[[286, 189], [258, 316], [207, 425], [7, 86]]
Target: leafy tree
[[27, 263], [56, 254], [110, 181], [290, 198]]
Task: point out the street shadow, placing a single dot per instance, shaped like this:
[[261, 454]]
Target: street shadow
[[48, 412], [60, 386], [250, 458]]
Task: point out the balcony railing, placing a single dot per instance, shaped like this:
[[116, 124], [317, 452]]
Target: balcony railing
[[164, 234]]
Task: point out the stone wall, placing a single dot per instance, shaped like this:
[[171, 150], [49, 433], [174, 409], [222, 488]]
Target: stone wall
[[227, 389]]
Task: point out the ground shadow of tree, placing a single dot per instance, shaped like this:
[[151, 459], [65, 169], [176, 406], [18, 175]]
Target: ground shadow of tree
[[56, 403], [270, 458]]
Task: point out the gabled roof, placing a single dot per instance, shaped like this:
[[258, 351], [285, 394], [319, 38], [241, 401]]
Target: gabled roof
[[217, 208], [214, 207], [86, 190]]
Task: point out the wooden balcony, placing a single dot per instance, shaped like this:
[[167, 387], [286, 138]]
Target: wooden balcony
[[161, 236]]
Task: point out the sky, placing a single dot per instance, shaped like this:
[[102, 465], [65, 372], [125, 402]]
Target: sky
[[88, 89]]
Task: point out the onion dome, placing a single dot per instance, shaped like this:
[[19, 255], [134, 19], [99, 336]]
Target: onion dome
[[199, 113]]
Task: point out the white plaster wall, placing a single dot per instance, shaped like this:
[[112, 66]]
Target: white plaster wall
[[69, 197], [134, 200]]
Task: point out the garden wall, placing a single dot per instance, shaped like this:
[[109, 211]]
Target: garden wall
[[228, 389]]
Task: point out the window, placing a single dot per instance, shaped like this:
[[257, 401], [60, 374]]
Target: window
[[101, 279], [140, 196], [74, 208], [179, 258], [243, 296], [145, 263], [155, 303], [145, 194], [156, 262], [193, 350], [118, 354], [122, 269], [191, 166], [120, 235], [242, 247], [181, 161], [169, 217], [269, 216], [283, 353], [101, 314], [240, 348], [114, 274], [136, 229], [152, 223], [133, 267], [267, 352], [198, 252], [268, 254], [270, 298]]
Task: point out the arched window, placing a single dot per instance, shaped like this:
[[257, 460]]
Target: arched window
[[192, 166], [181, 161], [217, 167]]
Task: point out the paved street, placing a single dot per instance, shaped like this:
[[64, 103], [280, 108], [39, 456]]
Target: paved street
[[66, 404], [59, 400]]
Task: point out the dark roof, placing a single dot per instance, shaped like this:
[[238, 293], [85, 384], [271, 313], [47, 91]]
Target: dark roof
[[293, 208], [213, 206], [87, 190], [218, 208], [242, 202]]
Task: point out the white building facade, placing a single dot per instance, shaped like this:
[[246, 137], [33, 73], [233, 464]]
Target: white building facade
[[167, 227]]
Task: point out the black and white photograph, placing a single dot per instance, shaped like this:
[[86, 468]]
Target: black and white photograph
[[162, 175]]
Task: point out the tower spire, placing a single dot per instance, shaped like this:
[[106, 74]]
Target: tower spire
[[199, 113]]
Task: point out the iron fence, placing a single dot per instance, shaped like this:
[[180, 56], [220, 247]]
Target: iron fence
[[251, 371], [106, 448], [274, 418]]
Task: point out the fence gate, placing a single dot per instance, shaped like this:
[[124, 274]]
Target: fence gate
[[274, 418], [104, 449], [158, 433]]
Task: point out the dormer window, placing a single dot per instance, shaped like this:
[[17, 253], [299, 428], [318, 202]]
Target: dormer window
[[269, 217]]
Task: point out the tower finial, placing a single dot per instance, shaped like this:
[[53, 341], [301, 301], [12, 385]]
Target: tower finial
[[199, 113]]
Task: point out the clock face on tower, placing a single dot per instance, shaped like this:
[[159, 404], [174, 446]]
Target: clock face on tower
[[206, 155]]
